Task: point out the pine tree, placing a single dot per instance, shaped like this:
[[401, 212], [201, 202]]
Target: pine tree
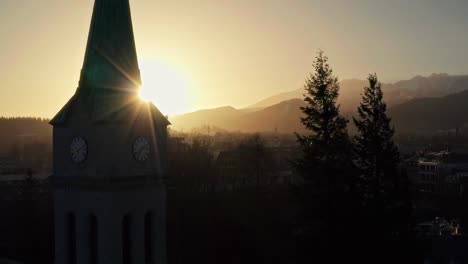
[[381, 185], [325, 162], [376, 154], [321, 115]]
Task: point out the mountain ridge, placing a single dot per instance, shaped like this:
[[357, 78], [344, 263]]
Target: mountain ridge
[[280, 112]]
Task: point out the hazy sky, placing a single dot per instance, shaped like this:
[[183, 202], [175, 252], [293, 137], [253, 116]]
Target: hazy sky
[[228, 52]]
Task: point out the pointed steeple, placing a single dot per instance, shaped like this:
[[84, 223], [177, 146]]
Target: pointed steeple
[[110, 77], [110, 61]]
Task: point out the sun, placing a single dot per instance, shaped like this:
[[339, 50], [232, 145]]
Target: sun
[[165, 86]]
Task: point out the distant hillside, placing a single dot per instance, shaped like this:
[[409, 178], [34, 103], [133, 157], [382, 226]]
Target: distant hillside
[[349, 95], [217, 116], [431, 114], [282, 111], [284, 117], [15, 130], [435, 85], [275, 99]]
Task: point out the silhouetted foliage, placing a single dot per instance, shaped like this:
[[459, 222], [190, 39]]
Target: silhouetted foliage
[[226, 225], [254, 159], [26, 225], [325, 166], [27, 142], [376, 154], [191, 166], [382, 188]]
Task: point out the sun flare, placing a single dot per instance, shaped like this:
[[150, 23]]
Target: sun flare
[[165, 86]]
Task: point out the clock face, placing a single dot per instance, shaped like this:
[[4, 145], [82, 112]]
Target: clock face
[[141, 149], [78, 150]]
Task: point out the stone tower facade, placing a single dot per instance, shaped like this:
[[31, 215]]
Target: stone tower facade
[[110, 155]]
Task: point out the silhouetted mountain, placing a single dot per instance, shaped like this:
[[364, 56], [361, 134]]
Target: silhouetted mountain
[[435, 85], [282, 111], [348, 99], [431, 114], [272, 100], [220, 117], [282, 117]]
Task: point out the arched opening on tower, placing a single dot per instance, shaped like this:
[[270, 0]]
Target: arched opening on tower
[[71, 226], [93, 239], [148, 237], [126, 240]]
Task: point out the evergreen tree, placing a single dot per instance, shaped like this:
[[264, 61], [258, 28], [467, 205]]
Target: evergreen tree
[[325, 163], [377, 155], [381, 185]]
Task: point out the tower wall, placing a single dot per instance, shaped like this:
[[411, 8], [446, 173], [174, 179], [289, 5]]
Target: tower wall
[[110, 206]]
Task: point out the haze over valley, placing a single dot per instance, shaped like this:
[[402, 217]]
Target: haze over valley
[[421, 104]]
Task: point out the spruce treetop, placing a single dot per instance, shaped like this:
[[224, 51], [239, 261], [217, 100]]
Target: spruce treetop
[[321, 113], [374, 146]]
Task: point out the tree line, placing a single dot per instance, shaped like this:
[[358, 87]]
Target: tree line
[[354, 198]]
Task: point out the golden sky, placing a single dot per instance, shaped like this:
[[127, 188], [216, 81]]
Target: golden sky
[[205, 53]]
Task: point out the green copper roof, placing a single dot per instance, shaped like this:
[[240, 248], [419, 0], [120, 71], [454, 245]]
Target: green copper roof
[[111, 61], [110, 77]]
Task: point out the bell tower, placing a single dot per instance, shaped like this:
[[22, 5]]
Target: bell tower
[[110, 155]]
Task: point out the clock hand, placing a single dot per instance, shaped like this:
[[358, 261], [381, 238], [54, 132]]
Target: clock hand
[[140, 152], [81, 148]]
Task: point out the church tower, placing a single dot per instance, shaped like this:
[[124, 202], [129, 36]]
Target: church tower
[[110, 155]]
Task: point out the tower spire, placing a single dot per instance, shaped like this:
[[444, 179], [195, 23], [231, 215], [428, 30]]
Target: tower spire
[[110, 61], [110, 77]]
